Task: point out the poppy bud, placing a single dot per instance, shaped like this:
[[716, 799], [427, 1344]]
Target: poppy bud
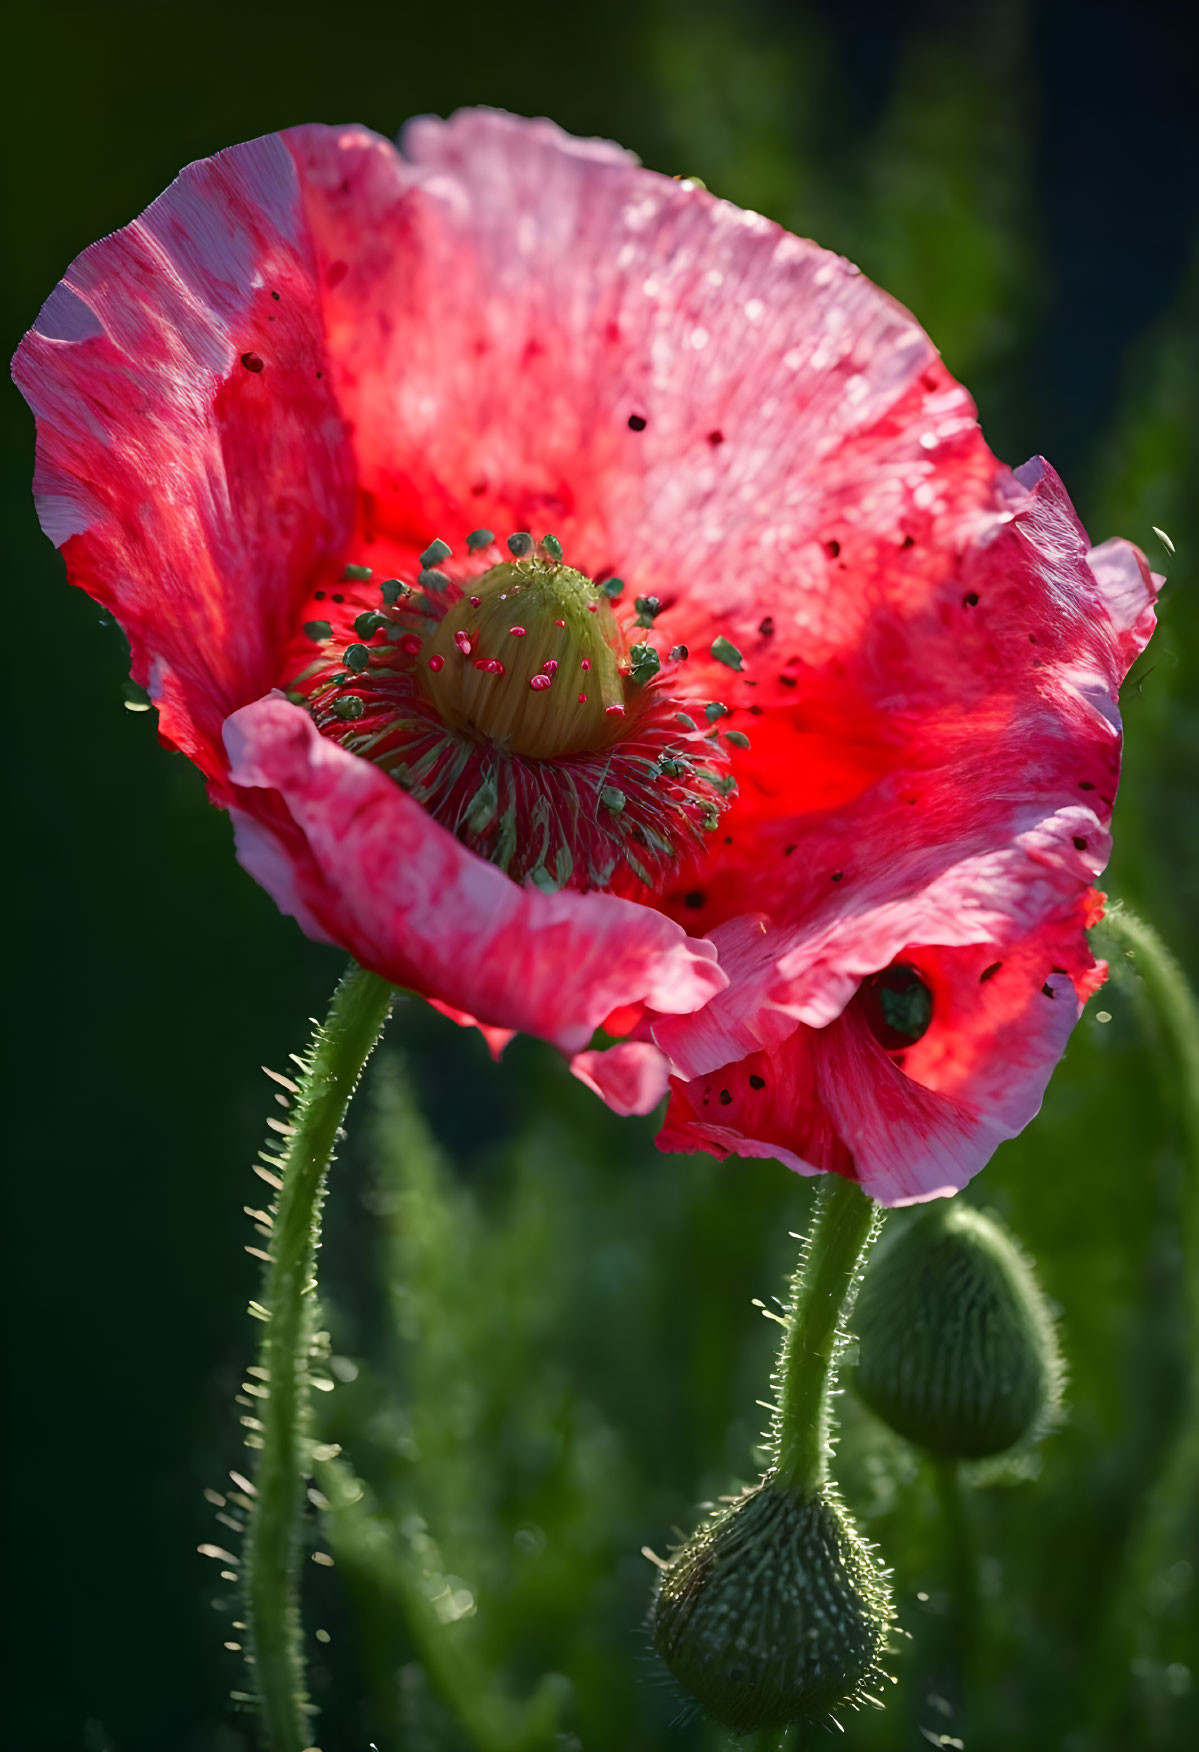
[[774, 1610], [957, 1350]]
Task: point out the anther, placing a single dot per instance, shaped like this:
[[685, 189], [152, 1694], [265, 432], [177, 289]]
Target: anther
[[436, 552], [479, 538], [645, 663], [613, 587], [317, 631], [356, 657], [726, 653], [552, 546], [678, 653], [429, 578], [520, 544], [356, 575]]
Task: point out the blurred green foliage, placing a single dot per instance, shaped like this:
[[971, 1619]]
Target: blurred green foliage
[[542, 1331]]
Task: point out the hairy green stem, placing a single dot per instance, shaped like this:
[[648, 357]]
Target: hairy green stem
[[340, 1049], [822, 1293]]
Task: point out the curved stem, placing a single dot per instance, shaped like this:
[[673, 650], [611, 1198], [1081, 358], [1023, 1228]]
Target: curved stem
[[1163, 993], [1173, 1004], [334, 1063], [822, 1293]]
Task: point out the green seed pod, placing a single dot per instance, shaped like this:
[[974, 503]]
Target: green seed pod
[[776, 1609], [957, 1350]]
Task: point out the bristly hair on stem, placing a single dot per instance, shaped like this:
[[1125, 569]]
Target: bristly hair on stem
[[776, 1609], [277, 1423], [824, 1286]]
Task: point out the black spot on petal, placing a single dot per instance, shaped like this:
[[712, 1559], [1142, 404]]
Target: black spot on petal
[[637, 422], [694, 899], [757, 1082], [989, 972]]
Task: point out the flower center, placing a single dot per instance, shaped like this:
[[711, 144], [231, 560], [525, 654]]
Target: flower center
[[531, 661], [514, 707]]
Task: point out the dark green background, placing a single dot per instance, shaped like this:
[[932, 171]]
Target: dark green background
[[1027, 184]]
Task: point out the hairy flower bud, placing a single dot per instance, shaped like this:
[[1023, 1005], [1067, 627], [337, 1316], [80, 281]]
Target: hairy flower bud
[[776, 1609], [957, 1348]]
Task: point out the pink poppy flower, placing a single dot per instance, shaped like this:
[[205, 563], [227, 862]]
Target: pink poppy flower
[[780, 738]]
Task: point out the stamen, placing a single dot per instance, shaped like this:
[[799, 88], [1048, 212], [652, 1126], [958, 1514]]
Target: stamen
[[609, 787]]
